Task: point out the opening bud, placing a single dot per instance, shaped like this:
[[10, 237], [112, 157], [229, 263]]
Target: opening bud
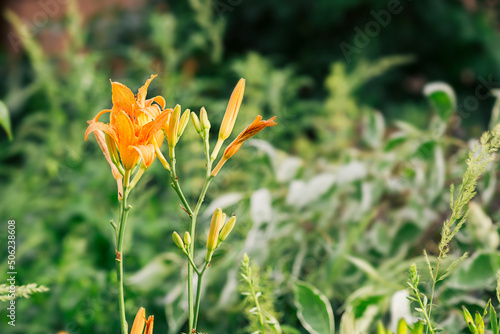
[[140, 322]]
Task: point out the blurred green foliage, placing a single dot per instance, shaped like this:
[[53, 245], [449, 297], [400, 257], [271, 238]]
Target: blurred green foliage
[[338, 195]]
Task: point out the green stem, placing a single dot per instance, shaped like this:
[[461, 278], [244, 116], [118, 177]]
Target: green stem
[[198, 294], [257, 304], [193, 315], [192, 321], [426, 316], [190, 259], [125, 208], [175, 183], [434, 280]]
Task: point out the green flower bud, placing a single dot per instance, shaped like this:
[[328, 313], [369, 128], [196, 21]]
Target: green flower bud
[[187, 238], [228, 227], [196, 122], [178, 241]]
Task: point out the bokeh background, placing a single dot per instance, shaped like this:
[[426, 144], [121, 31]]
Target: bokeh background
[[344, 193]]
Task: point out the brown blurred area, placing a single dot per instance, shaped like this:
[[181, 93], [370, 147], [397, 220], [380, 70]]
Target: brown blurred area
[[42, 18]]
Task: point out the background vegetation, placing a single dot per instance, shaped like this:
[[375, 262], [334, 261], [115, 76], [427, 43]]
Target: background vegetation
[[343, 194]]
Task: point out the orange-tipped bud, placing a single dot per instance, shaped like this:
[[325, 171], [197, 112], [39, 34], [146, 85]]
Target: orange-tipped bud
[[149, 325], [178, 241], [187, 238], [257, 125], [228, 227], [139, 322], [232, 109], [173, 127], [230, 116], [213, 233], [183, 122], [196, 122]]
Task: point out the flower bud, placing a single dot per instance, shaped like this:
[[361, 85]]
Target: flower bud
[[187, 238], [213, 233], [205, 123], [196, 122], [178, 241], [228, 227], [173, 127], [112, 149], [183, 122], [149, 325], [139, 321], [232, 109]]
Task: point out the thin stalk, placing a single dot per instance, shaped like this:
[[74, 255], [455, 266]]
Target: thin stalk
[[426, 316], [257, 304], [124, 210], [198, 294], [175, 183], [190, 259], [434, 280], [193, 315]]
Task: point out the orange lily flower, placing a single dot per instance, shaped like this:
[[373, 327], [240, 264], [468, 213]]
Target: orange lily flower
[[134, 124], [140, 321], [257, 125]]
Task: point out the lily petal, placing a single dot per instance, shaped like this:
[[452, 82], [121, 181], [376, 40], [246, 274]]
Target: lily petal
[[126, 137], [99, 136], [99, 126], [152, 127], [153, 111], [124, 128], [123, 98], [143, 91], [102, 112], [158, 99], [147, 153]]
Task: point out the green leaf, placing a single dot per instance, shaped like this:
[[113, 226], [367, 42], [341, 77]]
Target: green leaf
[[313, 309], [418, 328], [469, 320], [5, 119], [380, 328], [374, 129], [402, 327], [476, 271], [493, 320], [479, 323], [442, 98], [425, 151], [394, 142], [452, 266]]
